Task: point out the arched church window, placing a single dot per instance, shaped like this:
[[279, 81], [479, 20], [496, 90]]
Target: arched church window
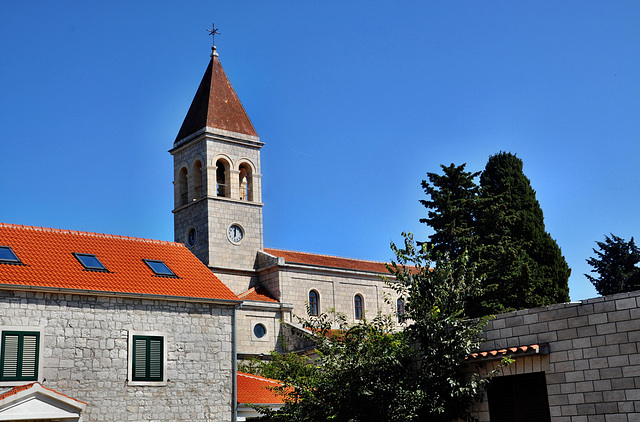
[[182, 187], [400, 310], [246, 183], [314, 303], [197, 180], [222, 185], [358, 305]]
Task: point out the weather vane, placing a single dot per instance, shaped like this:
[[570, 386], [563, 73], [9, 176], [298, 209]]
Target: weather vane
[[213, 32]]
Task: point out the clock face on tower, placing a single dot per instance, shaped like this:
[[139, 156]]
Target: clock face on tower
[[235, 233]]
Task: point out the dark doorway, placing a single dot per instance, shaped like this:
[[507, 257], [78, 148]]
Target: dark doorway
[[519, 398]]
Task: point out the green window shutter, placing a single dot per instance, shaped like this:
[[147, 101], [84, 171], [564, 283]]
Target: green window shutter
[[19, 356], [148, 358], [155, 358]]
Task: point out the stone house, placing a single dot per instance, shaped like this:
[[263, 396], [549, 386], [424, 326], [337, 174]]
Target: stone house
[[111, 328]]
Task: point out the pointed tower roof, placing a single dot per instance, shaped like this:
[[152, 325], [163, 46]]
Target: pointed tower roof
[[216, 105]]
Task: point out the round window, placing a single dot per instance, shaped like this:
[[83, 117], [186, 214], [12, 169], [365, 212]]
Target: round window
[[259, 330]]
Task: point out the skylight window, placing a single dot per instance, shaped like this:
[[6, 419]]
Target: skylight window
[[90, 262], [159, 268], [7, 256]]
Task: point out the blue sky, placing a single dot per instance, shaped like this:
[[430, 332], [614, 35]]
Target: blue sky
[[356, 101]]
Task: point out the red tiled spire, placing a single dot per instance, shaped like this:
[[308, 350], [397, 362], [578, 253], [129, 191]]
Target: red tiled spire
[[216, 105]]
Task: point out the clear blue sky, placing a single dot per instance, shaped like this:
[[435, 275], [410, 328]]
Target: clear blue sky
[[356, 101]]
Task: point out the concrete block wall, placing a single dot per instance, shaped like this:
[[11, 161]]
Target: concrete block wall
[[593, 367], [85, 349]]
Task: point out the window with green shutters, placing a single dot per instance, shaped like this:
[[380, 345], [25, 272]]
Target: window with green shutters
[[148, 358], [19, 356]]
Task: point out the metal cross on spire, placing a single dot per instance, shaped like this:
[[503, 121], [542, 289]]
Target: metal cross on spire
[[213, 32]]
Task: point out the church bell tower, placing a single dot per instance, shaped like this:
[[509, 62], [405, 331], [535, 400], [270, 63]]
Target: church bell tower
[[217, 190]]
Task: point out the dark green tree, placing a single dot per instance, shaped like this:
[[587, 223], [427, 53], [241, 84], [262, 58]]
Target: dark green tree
[[523, 264], [501, 225], [615, 263], [451, 209]]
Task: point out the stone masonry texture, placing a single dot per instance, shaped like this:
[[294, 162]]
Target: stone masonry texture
[[85, 349], [593, 366]]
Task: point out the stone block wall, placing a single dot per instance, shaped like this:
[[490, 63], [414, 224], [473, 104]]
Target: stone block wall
[[85, 350], [337, 290], [593, 367]]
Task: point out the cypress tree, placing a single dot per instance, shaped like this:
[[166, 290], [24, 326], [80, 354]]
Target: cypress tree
[[523, 264], [501, 226]]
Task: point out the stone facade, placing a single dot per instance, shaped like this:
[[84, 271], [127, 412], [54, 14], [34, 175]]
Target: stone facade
[[592, 370], [211, 214], [337, 289], [85, 351]]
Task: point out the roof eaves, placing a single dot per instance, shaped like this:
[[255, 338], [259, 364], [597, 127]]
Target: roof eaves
[[84, 292], [514, 352]]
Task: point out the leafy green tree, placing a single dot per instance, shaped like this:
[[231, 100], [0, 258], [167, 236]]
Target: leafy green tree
[[363, 372], [451, 204], [615, 263], [368, 371], [523, 264], [437, 295]]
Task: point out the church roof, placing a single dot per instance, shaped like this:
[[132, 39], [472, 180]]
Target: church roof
[[305, 258], [216, 105], [257, 293], [50, 260], [255, 389]]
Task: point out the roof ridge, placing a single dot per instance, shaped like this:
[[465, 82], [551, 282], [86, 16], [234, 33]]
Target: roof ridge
[[327, 256], [258, 377], [86, 233]]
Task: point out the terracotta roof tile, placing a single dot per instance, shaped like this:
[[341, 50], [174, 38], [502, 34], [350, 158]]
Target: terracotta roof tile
[[532, 349], [329, 261], [16, 390], [47, 255], [255, 389], [216, 105], [257, 293]]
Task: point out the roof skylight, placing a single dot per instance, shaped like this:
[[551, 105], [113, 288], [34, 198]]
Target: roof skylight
[[159, 268], [7, 256], [90, 262]]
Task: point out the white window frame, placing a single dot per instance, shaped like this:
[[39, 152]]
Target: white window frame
[[130, 381], [265, 324], [23, 328]]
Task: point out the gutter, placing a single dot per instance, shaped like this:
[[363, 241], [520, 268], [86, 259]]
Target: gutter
[[234, 365], [128, 295]]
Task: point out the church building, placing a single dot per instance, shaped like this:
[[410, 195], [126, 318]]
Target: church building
[[218, 216]]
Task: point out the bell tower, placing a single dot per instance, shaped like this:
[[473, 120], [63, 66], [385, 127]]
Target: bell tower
[[217, 181]]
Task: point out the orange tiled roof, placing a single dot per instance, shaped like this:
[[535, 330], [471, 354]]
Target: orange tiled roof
[[216, 105], [255, 389], [16, 390], [510, 351], [329, 261], [47, 255], [257, 293]]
